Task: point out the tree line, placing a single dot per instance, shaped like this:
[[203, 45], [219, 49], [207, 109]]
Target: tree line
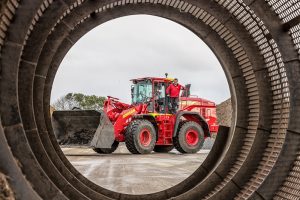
[[72, 101]]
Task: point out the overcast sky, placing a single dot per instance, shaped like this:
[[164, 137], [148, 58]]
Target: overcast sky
[[104, 60]]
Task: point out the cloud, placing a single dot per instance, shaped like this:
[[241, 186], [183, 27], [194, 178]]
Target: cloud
[[105, 59]]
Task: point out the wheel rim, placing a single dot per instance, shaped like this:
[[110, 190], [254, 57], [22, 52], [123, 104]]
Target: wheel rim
[[145, 137], [191, 137]]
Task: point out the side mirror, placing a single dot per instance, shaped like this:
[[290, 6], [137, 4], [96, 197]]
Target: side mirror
[[187, 91]]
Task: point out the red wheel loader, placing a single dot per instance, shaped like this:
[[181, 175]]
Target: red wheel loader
[[146, 125]]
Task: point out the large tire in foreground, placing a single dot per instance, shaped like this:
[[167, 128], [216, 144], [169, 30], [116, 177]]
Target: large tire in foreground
[[189, 138], [140, 137], [114, 146], [163, 149]]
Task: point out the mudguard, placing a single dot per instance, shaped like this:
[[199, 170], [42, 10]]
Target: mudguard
[[198, 118]]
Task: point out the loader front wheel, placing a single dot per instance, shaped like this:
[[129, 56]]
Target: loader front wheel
[[189, 138], [114, 146], [140, 137]]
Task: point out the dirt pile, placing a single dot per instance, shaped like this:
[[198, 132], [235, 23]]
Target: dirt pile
[[83, 137], [5, 191], [224, 113]]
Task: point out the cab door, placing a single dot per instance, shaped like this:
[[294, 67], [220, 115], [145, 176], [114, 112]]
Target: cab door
[[160, 97]]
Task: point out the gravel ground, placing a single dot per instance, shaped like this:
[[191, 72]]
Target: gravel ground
[[134, 174]]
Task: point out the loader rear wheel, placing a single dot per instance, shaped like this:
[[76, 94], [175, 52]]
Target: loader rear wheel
[[190, 137], [163, 149], [114, 146], [140, 137]]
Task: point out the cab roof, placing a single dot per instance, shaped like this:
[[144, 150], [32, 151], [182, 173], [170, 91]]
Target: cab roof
[[153, 79]]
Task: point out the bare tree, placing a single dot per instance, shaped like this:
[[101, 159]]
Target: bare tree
[[65, 103]]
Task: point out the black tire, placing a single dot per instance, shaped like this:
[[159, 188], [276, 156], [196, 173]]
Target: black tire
[[133, 139], [163, 149], [114, 146], [180, 141]]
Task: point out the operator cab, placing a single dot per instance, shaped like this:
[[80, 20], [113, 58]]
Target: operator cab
[[141, 91], [151, 91]]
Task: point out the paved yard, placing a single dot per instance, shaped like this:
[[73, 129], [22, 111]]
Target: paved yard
[[134, 174]]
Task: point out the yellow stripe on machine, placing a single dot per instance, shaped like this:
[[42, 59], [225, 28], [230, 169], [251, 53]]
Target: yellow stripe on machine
[[130, 112], [159, 114], [170, 79]]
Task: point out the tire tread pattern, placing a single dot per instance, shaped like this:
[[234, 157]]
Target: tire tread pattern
[[106, 150], [176, 139], [129, 139]]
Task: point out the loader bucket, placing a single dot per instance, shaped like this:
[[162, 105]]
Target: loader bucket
[[104, 136], [79, 127], [76, 126]]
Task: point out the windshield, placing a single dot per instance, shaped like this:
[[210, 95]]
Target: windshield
[[142, 92]]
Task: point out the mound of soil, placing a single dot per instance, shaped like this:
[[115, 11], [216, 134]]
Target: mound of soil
[[83, 137], [6, 192], [224, 113]]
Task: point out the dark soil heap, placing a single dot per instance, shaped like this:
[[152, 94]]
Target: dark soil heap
[[5, 191], [83, 137]]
